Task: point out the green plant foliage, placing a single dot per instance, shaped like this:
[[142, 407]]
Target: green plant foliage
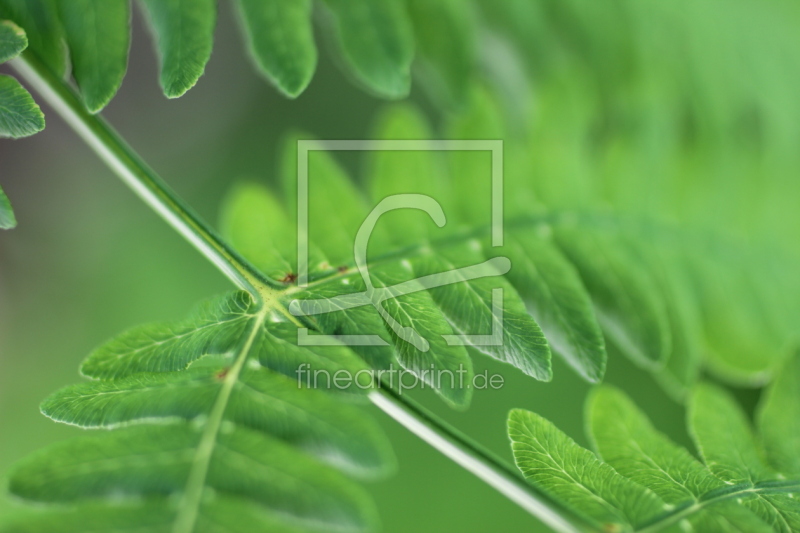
[[655, 287], [375, 39], [445, 35], [253, 216], [7, 218], [207, 420], [648, 208], [779, 419], [377, 42], [19, 114], [641, 481], [184, 31], [12, 41], [281, 41], [98, 35], [623, 122], [39, 19]]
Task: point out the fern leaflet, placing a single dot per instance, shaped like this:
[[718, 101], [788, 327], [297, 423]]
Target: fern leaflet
[[644, 482]]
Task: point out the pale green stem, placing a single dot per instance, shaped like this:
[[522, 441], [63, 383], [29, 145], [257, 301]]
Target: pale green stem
[[124, 161], [113, 150]]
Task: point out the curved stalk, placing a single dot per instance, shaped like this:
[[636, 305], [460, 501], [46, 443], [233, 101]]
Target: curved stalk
[[731, 492], [124, 161], [480, 462]]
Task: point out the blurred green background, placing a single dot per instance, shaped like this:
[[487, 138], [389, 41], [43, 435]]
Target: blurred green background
[[89, 260]]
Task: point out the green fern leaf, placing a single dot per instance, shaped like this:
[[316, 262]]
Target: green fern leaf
[[464, 303], [98, 35], [377, 42], [779, 419], [572, 474], [445, 32], [735, 490], [459, 307], [40, 21], [209, 416], [12, 40], [556, 299], [626, 296], [724, 437], [638, 275], [732, 355], [685, 318], [281, 41], [237, 515], [7, 218], [184, 31], [626, 440], [19, 114], [159, 460], [223, 378]]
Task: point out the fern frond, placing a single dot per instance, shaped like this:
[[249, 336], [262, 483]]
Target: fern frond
[[460, 307], [204, 418], [596, 256], [641, 481], [658, 290]]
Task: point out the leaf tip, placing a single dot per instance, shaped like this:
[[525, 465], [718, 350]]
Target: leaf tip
[[175, 87]]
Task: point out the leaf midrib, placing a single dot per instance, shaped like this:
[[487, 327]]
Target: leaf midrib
[[682, 511], [653, 229], [189, 507]]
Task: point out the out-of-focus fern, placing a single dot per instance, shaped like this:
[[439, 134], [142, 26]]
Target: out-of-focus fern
[[681, 114], [661, 290], [639, 480]]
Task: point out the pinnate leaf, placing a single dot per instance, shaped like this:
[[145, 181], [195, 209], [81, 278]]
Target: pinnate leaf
[[732, 490], [572, 474], [212, 415]]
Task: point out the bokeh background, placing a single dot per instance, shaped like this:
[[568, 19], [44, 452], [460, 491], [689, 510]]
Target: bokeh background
[[89, 260]]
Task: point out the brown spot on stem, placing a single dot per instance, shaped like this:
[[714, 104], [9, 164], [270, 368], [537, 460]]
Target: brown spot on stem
[[291, 277]]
